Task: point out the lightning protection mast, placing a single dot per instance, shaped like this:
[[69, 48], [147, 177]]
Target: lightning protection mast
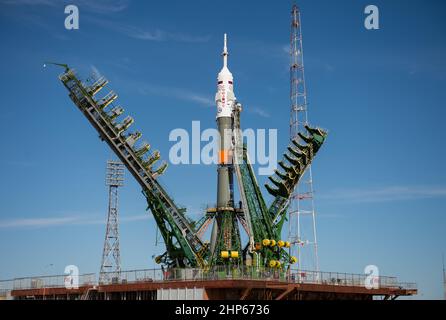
[[302, 217]]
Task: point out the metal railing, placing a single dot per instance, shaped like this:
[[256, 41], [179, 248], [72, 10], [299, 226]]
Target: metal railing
[[216, 273], [5, 288], [251, 273], [57, 281]]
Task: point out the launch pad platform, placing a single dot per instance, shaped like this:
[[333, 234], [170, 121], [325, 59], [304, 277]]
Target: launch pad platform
[[218, 284]]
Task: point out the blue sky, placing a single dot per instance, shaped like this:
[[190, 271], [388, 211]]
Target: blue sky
[[379, 179]]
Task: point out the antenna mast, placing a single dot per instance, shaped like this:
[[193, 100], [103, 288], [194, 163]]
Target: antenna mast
[[302, 220]]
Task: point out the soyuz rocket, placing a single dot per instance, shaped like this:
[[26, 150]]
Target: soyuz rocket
[[224, 100]]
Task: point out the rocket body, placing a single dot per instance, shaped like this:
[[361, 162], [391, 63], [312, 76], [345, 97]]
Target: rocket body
[[225, 169], [224, 99], [225, 235]]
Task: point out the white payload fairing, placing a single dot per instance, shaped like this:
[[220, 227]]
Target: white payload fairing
[[224, 98]]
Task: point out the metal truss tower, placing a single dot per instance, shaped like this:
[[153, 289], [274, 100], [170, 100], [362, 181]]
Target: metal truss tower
[[111, 257], [302, 220], [444, 280]]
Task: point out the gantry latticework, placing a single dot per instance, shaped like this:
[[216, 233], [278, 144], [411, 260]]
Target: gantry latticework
[[184, 247], [302, 216], [111, 256]]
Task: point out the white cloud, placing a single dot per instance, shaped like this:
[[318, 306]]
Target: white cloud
[[21, 163], [259, 111], [50, 3], [95, 71], [155, 34], [44, 222], [178, 93], [136, 217], [321, 64], [286, 49], [97, 6], [103, 6], [37, 222], [390, 193]]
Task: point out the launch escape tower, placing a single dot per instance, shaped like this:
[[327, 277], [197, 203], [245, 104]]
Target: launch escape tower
[[183, 237], [302, 215], [111, 257]]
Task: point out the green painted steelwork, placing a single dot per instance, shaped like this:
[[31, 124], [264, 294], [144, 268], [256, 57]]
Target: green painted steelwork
[[182, 237], [267, 224], [184, 248], [228, 239], [299, 158]]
